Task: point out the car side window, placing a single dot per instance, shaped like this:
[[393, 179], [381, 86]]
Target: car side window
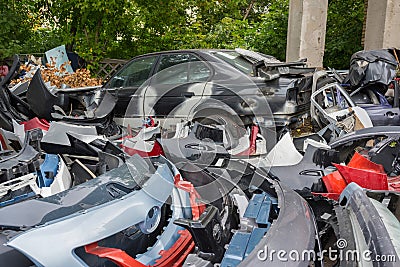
[[134, 74], [198, 71], [331, 99], [181, 68]]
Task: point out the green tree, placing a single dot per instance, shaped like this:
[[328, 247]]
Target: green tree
[[89, 27], [271, 30], [126, 28], [16, 20], [343, 32]]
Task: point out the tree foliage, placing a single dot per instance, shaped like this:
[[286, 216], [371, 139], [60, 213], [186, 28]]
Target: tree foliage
[[17, 21], [343, 32], [125, 28]]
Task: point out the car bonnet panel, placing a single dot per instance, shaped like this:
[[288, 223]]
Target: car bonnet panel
[[77, 199], [94, 223]]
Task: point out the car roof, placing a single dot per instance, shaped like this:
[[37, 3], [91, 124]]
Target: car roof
[[204, 50]]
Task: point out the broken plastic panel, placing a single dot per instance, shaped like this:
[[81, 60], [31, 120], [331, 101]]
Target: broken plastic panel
[[361, 171], [372, 224], [312, 167], [25, 161], [36, 123], [159, 185]]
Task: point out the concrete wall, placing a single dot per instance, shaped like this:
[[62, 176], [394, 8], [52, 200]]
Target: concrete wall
[[382, 24], [306, 31]]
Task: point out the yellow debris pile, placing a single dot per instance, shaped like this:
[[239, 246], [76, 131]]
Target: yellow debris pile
[[59, 76]]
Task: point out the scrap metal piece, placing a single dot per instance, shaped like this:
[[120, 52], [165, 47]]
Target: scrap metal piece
[[37, 212], [15, 184], [284, 153], [241, 201], [60, 182], [48, 170], [236, 250], [203, 146], [174, 254], [293, 211], [36, 123], [308, 171], [104, 109], [193, 260]]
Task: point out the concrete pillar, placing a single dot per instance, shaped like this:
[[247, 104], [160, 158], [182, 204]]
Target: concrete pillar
[[383, 24], [306, 31]]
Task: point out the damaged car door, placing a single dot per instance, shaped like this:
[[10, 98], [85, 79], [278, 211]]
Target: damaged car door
[[177, 85], [381, 112], [129, 79]]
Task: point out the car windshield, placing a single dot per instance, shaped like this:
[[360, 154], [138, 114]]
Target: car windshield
[[236, 60]]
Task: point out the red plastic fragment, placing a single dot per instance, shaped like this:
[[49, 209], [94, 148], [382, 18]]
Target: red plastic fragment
[[334, 182], [362, 171], [394, 183], [364, 178], [197, 208], [334, 196], [118, 256], [155, 151], [252, 148], [36, 123], [176, 255], [360, 162]]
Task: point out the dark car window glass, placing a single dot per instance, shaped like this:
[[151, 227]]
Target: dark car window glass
[[181, 68], [236, 60], [198, 71], [135, 74]]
